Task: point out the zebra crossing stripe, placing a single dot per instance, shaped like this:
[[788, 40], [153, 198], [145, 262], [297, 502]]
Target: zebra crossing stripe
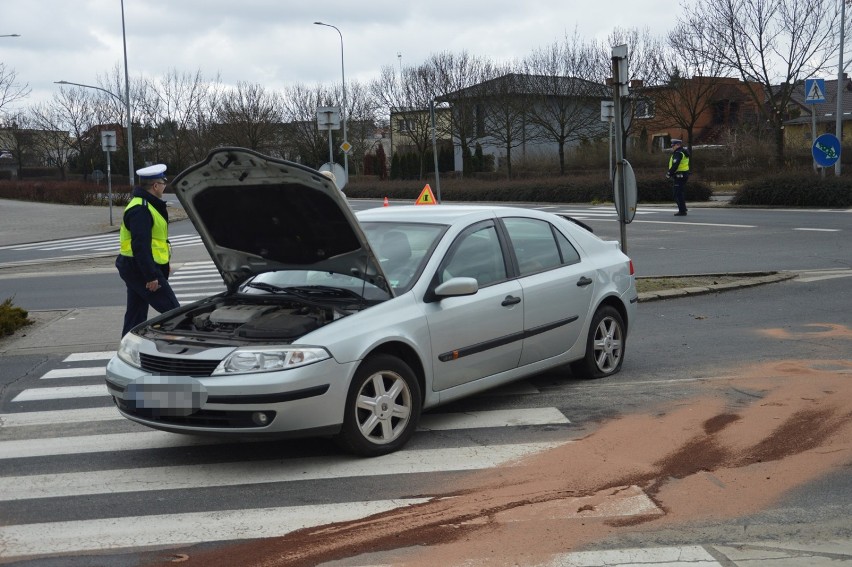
[[182, 529], [61, 392], [150, 439], [107, 442], [686, 556], [59, 417], [89, 356], [75, 372], [187, 477], [493, 418]]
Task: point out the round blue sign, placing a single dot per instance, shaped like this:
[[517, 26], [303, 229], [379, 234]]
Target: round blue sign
[[826, 150]]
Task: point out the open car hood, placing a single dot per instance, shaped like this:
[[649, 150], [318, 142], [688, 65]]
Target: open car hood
[[259, 214]]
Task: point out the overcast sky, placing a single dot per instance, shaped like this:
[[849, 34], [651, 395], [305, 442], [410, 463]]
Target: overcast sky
[[274, 42]]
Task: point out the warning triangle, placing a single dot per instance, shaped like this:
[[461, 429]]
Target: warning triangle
[[426, 197]]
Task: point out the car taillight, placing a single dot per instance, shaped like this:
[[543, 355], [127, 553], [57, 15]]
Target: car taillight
[[632, 271]]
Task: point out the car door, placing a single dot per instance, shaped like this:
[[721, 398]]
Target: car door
[[557, 287], [477, 335]]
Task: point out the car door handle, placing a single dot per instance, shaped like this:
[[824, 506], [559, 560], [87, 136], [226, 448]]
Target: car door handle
[[510, 300], [584, 281]]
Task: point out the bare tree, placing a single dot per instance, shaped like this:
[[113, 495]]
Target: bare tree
[[772, 45], [406, 97], [249, 116], [506, 111], [690, 82], [644, 72], [173, 108], [301, 139], [361, 119], [53, 147], [450, 74], [73, 111], [566, 109], [10, 89]]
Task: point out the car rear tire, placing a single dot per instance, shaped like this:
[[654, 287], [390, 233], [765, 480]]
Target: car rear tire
[[604, 346], [382, 407]]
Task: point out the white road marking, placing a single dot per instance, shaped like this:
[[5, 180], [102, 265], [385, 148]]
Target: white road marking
[[89, 356], [150, 439], [181, 529], [61, 392], [685, 556], [58, 417], [74, 372], [188, 477], [494, 418]]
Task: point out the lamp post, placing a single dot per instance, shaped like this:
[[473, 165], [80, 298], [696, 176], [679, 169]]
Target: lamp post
[[127, 110], [343, 105], [127, 103]]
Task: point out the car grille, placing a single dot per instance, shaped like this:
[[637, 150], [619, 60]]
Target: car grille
[[177, 366]]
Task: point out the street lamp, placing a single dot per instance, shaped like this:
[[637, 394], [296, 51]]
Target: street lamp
[[127, 102], [11, 35], [343, 109], [127, 110]]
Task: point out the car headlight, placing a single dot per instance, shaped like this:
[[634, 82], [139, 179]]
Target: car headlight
[[128, 350], [268, 359]]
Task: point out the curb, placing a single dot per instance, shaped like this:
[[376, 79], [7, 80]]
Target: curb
[[749, 280]]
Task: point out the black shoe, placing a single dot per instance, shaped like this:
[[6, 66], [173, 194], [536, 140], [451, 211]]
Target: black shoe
[[680, 214]]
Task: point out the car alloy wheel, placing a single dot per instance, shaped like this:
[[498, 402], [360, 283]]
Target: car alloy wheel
[[605, 345], [382, 408]]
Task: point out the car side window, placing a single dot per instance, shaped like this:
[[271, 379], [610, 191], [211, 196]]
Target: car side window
[[538, 246], [476, 254]]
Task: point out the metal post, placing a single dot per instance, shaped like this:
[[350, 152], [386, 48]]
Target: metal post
[[130, 171], [619, 72], [343, 104], [839, 119], [813, 130], [109, 185], [435, 152]]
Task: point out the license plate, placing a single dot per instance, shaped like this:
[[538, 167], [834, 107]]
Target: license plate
[[168, 396]]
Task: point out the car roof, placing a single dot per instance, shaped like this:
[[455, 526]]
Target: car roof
[[438, 214]]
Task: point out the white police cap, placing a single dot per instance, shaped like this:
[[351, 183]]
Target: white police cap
[[157, 171]]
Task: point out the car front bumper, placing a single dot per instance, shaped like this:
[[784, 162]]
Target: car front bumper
[[307, 399]]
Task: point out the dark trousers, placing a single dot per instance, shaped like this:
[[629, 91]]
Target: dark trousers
[[139, 298], [679, 189]]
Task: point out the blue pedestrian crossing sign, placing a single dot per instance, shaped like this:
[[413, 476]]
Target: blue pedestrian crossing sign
[[826, 150], [814, 91]]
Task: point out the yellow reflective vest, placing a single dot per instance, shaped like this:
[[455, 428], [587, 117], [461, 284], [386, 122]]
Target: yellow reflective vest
[[159, 233], [684, 162]]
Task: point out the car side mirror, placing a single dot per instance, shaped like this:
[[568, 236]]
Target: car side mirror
[[456, 287]]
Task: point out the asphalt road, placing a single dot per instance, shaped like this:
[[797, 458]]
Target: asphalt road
[[70, 467]]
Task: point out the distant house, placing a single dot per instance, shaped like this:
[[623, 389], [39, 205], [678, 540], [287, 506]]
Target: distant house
[[22, 148], [717, 105], [798, 130], [522, 116]]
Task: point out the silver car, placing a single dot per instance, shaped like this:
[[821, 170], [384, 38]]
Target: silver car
[[351, 325]]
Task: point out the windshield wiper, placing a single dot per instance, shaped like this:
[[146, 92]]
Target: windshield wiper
[[314, 291], [307, 291], [269, 287]]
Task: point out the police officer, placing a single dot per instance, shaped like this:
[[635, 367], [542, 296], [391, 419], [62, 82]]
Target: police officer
[[143, 261], [679, 173]]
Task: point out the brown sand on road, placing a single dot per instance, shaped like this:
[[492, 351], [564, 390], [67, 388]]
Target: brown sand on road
[[738, 446]]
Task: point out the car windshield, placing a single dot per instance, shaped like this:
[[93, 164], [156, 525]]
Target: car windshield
[[403, 249]]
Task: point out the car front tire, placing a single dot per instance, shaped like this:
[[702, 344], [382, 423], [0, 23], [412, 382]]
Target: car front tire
[[382, 407], [604, 346]]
